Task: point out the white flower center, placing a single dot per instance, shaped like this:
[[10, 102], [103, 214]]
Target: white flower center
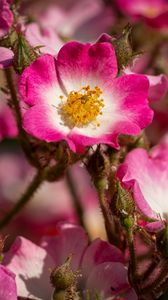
[[82, 107]]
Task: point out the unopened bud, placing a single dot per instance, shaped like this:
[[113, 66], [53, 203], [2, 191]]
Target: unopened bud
[[124, 205], [123, 48], [128, 222], [24, 53], [99, 165], [59, 295], [63, 277]]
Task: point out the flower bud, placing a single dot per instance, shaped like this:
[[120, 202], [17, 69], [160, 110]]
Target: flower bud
[[59, 295], [63, 277], [24, 54], [124, 205], [99, 165], [123, 48]]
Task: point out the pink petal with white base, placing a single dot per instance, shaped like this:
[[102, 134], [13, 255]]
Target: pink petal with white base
[[80, 64], [7, 284], [44, 122], [134, 94], [99, 252], [31, 264], [71, 240], [39, 82], [110, 279], [147, 175]]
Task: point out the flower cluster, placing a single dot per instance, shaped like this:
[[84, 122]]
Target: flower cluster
[[84, 132]]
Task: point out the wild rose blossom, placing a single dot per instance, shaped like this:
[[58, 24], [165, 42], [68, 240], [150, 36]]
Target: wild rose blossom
[[153, 12], [6, 17], [77, 97], [146, 175], [100, 264]]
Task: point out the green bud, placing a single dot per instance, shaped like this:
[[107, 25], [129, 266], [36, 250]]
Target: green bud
[[9, 40], [63, 277], [24, 54], [124, 202], [59, 295], [100, 184], [123, 48], [68, 294], [128, 222], [99, 165]]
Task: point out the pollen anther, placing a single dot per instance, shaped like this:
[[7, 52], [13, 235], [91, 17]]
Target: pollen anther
[[82, 107]]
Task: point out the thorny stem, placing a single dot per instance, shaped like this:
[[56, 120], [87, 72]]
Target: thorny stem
[[36, 182], [133, 261], [75, 197], [14, 98], [105, 211], [150, 269], [157, 282]]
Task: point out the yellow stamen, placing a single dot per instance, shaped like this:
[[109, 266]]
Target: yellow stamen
[[82, 107]]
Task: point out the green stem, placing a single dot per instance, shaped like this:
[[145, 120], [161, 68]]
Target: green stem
[[75, 197], [133, 260], [14, 98], [105, 211], [36, 182]]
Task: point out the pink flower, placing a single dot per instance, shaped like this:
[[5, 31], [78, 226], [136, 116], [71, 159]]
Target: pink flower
[[7, 284], [8, 126], [6, 17], [82, 20], [77, 97], [146, 175], [45, 37], [100, 264], [154, 12]]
